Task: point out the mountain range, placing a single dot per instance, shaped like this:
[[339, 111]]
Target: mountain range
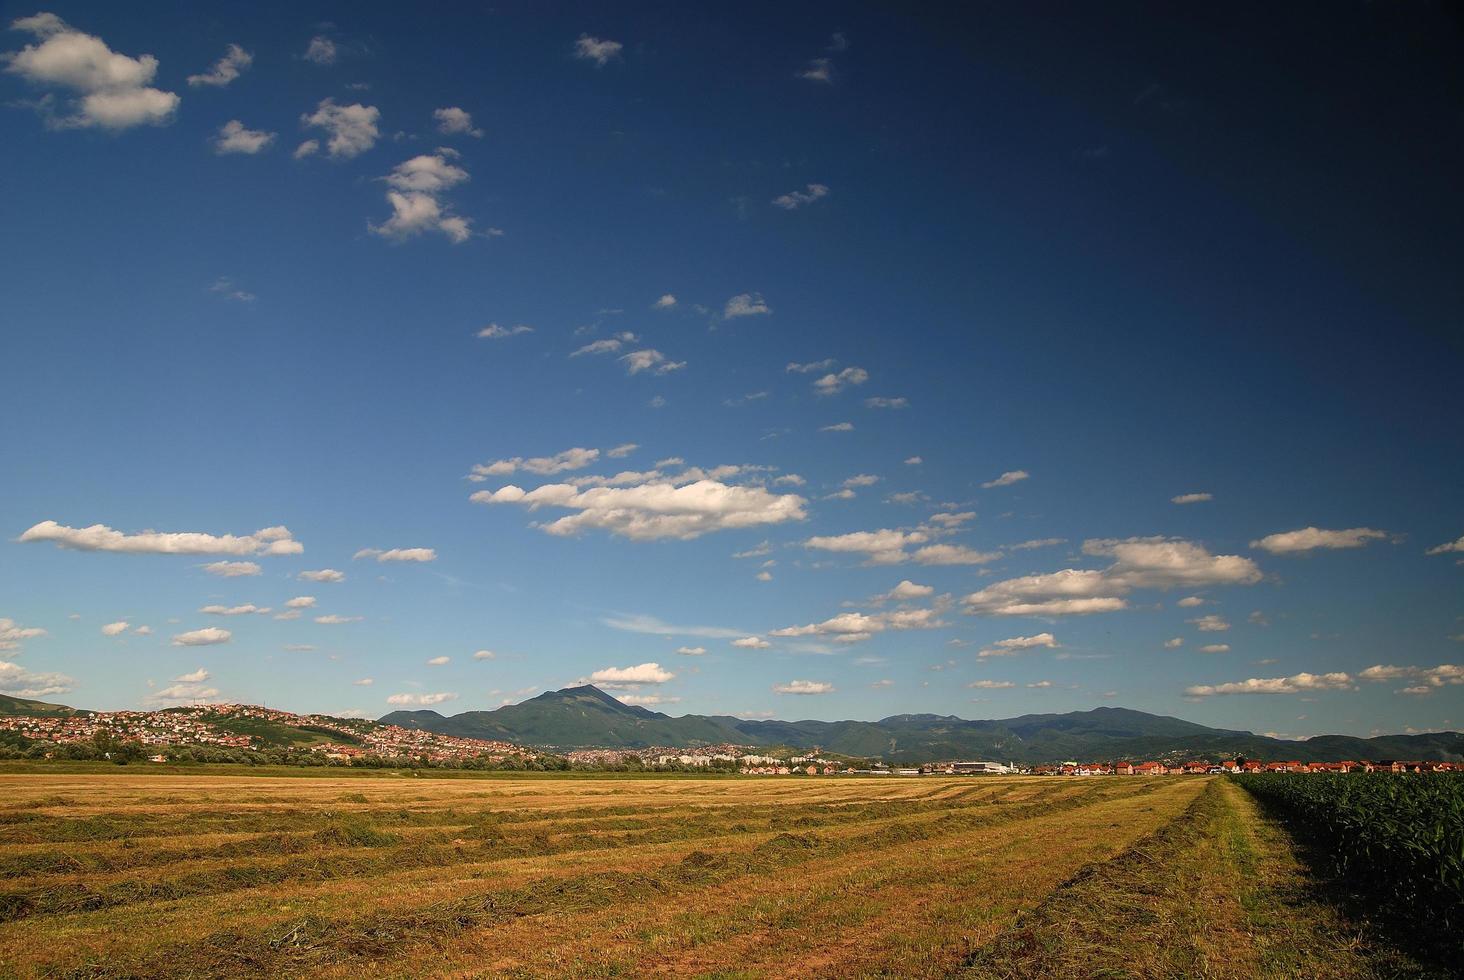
[[586, 717]]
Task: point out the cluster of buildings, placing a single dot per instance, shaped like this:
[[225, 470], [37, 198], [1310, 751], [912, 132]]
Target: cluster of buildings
[[1233, 766], [158, 728]]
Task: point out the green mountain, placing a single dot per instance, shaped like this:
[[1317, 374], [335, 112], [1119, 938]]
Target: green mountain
[[36, 709], [586, 717]]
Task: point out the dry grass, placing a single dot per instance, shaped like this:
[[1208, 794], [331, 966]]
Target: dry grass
[[145, 875]]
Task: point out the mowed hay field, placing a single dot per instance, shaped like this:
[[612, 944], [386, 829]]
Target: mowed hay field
[[234, 875]]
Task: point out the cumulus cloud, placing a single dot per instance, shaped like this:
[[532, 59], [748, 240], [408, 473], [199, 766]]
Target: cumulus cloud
[[1016, 644], [18, 682], [818, 70], [235, 137], [1215, 648], [1312, 538], [12, 634], [113, 91], [804, 687], [336, 620], [838, 427], [654, 510], [666, 302], [1424, 680], [882, 547], [907, 590], [397, 554], [881, 402], [751, 643], [1006, 479], [952, 554], [244, 610], [1191, 498], [793, 200], [746, 304], [352, 128], [691, 651], [1139, 563], [1210, 624], [810, 367], [833, 383], [1036, 543], [1190, 601], [420, 700], [494, 332], [649, 360], [1174, 643], [991, 685], [599, 50], [439, 661], [225, 70], [453, 120], [364, 682], [631, 677], [99, 537], [1448, 547], [115, 629], [855, 627], [202, 638], [1295, 684], [571, 459], [647, 700], [483, 655], [300, 602], [415, 194], [321, 50], [323, 575]]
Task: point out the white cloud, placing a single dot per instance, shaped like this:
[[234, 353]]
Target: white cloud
[[751, 643], [1040, 684], [804, 687], [1174, 643], [953, 554], [1007, 479], [764, 576], [452, 120], [638, 623], [838, 427], [196, 677], [232, 569], [1210, 624], [1295, 684], [833, 383], [420, 700], [1036, 543], [1139, 563], [335, 620], [598, 50], [746, 304], [300, 602], [795, 368], [323, 575], [99, 537], [439, 661], [631, 677], [666, 302], [649, 360], [855, 627], [397, 554], [654, 510], [321, 50], [308, 148], [234, 137], [881, 402], [225, 70], [1192, 498], [1426, 679], [352, 128], [15, 680], [417, 186], [113, 90], [794, 200], [1016, 644], [914, 461], [483, 655], [691, 651], [1190, 601], [143, 631], [494, 332], [364, 682], [201, 638], [907, 590], [991, 685], [819, 70], [183, 693], [226, 288], [244, 610], [1215, 648], [622, 450], [570, 459], [646, 700], [1311, 538], [114, 629], [1447, 547], [883, 547], [862, 480]]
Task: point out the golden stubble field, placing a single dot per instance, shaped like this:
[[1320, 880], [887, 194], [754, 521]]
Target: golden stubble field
[[232, 875]]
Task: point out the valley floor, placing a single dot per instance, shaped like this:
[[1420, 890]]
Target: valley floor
[[222, 876]]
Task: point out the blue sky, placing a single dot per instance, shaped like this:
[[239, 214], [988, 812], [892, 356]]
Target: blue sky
[[962, 301]]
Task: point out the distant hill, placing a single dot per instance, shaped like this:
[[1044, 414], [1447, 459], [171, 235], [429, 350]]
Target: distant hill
[[36, 709], [586, 717]]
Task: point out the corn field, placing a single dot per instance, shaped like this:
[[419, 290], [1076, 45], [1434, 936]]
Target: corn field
[[1397, 839]]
